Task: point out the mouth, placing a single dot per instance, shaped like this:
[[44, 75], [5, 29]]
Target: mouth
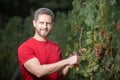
[[44, 30]]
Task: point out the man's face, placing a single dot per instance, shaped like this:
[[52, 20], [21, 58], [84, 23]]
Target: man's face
[[43, 25]]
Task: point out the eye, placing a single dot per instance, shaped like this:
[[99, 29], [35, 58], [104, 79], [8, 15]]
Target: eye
[[41, 22], [49, 23]]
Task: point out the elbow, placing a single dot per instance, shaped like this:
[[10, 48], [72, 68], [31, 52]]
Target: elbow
[[38, 74]]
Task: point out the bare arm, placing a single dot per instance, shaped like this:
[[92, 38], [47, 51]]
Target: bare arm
[[64, 72], [34, 66]]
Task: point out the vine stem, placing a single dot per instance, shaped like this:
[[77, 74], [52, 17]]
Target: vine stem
[[80, 38]]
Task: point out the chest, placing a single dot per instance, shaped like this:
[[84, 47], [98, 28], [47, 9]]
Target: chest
[[47, 54]]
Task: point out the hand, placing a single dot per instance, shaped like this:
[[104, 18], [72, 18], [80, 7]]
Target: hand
[[73, 60]]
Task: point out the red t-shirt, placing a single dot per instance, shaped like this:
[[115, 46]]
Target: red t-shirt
[[46, 52]]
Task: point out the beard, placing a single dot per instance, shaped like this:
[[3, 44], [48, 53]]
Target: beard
[[43, 33]]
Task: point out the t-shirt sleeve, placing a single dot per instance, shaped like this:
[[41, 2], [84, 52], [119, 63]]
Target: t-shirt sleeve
[[25, 53]]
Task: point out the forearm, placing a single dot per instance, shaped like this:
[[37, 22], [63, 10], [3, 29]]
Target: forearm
[[64, 72], [48, 69]]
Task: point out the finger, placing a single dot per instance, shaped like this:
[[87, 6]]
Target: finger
[[71, 66]]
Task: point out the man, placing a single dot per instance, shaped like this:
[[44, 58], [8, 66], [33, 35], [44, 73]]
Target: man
[[39, 57]]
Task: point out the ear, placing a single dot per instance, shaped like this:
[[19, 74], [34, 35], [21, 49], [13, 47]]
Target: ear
[[34, 23]]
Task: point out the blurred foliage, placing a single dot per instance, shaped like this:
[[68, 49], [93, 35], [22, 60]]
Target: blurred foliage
[[14, 33], [95, 26]]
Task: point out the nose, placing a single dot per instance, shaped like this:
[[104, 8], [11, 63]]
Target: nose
[[45, 25]]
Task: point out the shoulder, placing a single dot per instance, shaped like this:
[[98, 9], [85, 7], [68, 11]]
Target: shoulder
[[25, 51], [53, 43], [25, 44]]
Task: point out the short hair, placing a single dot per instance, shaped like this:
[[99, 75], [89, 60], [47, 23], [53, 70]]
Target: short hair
[[43, 11]]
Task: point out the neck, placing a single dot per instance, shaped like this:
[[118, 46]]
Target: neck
[[40, 38]]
